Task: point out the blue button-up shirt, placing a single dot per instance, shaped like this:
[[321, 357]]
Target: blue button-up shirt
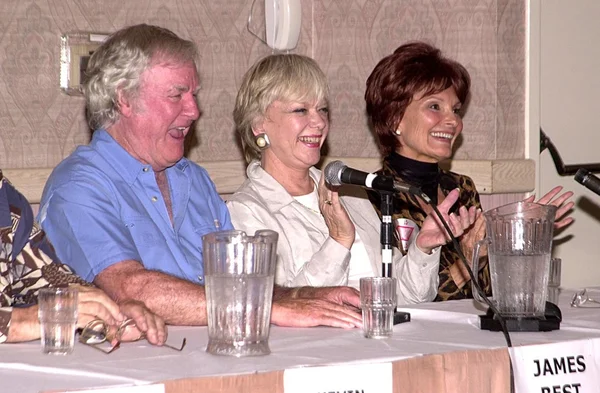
[[101, 206]]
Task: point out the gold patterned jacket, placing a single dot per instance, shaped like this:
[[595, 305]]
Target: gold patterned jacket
[[27, 260], [408, 206]]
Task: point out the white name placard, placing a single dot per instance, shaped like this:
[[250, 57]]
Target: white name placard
[[565, 367], [356, 378]]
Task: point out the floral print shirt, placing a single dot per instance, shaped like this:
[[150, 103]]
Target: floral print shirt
[[27, 260]]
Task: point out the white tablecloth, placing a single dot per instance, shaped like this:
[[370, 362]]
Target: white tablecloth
[[435, 328]]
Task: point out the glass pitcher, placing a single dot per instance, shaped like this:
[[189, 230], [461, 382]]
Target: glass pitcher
[[519, 242], [239, 272]]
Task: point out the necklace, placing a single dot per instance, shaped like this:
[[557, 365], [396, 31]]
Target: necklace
[[309, 200], [312, 210]]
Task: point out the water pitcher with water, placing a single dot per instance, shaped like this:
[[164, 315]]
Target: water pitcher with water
[[519, 242], [239, 272]]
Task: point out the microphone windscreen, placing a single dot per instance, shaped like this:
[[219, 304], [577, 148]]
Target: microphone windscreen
[[333, 172], [589, 180], [581, 175]]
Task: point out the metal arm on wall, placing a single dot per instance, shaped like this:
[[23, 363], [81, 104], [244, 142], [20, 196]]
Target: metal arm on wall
[[561, 168]]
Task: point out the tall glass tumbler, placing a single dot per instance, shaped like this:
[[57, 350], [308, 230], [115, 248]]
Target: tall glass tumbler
[[378, 302], [239, 273], [57, 313], [554, 280]]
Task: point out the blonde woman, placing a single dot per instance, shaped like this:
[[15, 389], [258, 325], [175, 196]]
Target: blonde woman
[[325, 239]]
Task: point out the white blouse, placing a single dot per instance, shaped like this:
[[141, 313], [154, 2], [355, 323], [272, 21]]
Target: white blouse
[[307, 255], [359, 265]]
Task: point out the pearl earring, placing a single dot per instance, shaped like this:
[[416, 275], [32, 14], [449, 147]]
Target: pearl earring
[[398, 132], [262, 141]]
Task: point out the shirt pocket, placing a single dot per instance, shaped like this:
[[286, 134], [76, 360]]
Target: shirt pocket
[[201, 231], [144, 231]]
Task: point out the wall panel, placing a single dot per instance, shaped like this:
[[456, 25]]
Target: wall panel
[[39, 125]]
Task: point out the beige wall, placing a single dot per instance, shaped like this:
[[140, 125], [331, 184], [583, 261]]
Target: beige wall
[[39, 125], [570, 60]]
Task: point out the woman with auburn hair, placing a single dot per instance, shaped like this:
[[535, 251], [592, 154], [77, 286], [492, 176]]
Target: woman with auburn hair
[[325, 239], [415, 99]]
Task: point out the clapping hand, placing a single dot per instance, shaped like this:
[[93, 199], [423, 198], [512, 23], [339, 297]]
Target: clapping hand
[[563, 208], [432, 232]]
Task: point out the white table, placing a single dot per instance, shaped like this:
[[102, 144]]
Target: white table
[[436, 328]]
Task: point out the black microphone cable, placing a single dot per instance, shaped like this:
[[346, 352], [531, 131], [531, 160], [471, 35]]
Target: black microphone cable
[[480, 291]]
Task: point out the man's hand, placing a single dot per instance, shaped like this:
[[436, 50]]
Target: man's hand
[[317, 306], [314, 312], [146, 323], [93, 303], [175, 300], [346, 296]]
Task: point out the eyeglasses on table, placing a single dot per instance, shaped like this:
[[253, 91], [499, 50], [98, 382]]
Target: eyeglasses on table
[[582, 299], [96, 332]]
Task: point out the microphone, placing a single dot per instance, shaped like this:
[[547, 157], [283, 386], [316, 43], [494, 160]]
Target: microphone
[[588, 180], [336, 174]]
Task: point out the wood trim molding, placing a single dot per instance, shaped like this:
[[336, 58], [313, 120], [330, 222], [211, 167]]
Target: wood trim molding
[[490, 176], [498, 176]]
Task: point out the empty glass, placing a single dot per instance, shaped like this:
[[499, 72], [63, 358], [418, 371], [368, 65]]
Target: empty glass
[[57, 313], [554, 280], [378, 302]]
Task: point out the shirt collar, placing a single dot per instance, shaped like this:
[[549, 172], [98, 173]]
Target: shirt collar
[[123, 162], [274, 194]]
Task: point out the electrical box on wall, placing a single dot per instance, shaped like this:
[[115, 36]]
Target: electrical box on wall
[[75, 51], [283, 19]]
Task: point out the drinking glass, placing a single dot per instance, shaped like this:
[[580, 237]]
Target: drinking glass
[[378, 302], [554, 280], [57, 313]]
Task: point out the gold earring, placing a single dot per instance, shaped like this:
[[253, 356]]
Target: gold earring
[[262, 141], [398, 132]]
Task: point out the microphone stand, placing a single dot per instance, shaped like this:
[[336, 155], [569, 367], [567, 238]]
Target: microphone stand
[[387, 238]]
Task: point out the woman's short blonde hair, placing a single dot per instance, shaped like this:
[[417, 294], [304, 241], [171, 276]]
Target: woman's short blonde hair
[[281, 77], [119, 63]]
